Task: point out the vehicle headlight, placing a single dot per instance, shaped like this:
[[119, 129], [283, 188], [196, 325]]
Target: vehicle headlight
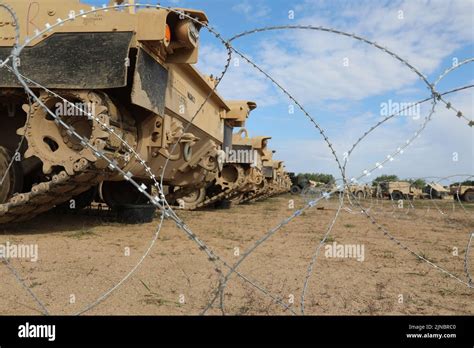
[[187, 33]]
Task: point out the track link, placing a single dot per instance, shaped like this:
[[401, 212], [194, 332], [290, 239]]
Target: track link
[[46, 195]]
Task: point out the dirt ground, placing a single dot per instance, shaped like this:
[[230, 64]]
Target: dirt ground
[[81, 257]]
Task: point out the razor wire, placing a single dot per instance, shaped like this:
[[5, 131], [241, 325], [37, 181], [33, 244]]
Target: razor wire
[[161, 202], [10, 267], [435, 94], [2, 64], [179, 223]]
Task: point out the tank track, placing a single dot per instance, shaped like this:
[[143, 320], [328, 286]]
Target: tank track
[[252, 197], [259, 195], [225, 195], [83, 170], [46, 195], [230, 194]]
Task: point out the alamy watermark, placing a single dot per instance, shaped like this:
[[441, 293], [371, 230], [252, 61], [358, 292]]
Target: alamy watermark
[[335, 250], [19, 251], [241, 156], [401, 109], [37, 331], [74, 109]]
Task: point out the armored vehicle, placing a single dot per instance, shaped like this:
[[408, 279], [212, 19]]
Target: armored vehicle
[[360, 191], [241, 166], [435, 191], [397, 190], [463, 192], [130, 79], [299, 183], [276, 180]]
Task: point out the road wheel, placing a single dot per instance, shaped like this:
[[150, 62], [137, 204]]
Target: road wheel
[[194, 198], [468, 196], [396, 196], [360, 195], [295, 190]]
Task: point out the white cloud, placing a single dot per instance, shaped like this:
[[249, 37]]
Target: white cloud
[[445, 138], [310, 66], [240, 81], [252, 10], [310, 63], [427, 35]]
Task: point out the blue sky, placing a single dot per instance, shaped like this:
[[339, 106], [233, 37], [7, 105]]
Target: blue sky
[[346, 99]]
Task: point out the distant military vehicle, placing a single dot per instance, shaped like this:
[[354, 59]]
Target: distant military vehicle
[[360, 191], [463, 192], [299, 183], [275, 181], [435, 191], [240, 164], [397, 190], [280, 178]]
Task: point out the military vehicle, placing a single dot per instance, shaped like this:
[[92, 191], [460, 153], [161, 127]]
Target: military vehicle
[[299, 183], [241, 165], [276, 180], [463, 192], [359, 191], [435, 191], [242, 180], [248, 174], [283, 182], [397, 190], [243, 171], [286, 181], [130, 69]]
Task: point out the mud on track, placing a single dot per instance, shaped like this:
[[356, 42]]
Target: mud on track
[[84, 256]]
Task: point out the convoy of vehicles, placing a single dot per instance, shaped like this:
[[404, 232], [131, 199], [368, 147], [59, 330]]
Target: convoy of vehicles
[[134, 89]]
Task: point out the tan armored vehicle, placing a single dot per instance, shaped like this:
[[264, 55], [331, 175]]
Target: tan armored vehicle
[[286, 182], [397, 190], [463, 192], [276, 180], [435, 191], [243, 176], [241, 166], [281, 178], [244, 164], [130, 69], [360, 191]]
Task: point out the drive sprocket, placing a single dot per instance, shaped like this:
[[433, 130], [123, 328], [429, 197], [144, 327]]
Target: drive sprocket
[[55, 145]]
